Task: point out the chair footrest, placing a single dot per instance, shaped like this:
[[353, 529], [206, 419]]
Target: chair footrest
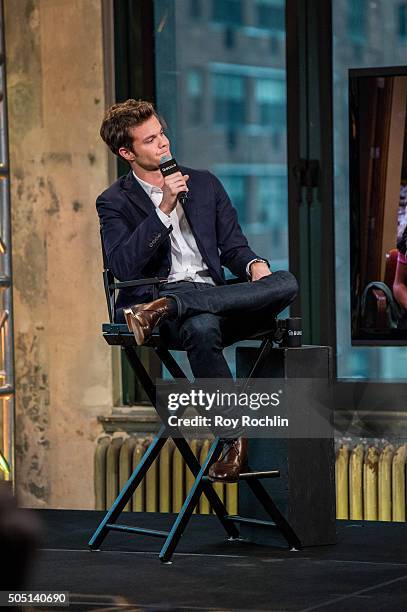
[[259, 474], [148, 532], [250, 521], [250, 476], [118, 334]]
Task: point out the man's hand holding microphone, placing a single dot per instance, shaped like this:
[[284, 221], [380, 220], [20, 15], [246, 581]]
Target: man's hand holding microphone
[[175, 184]]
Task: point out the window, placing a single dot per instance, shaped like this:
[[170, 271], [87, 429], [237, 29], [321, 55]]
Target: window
[[277, 139], [272, 214], [270, 97], [195, 9], [402, 20], [227, 12], [228, 100], [195, 92], [275, 45], [236, 187], [216, 125], [270, 14], [356, 14]]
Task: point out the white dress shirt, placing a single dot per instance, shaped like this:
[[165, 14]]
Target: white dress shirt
[[186, 261]]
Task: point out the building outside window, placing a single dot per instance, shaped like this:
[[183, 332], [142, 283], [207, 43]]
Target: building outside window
[[240, 93], [236, 187], [401, 17], [269, 214], [228, 92], [227, 12], [195, 93], [357, 17], [270, 14], [195, 9], [270, 97]]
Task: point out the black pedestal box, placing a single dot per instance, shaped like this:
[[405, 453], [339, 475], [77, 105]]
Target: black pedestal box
[[305, 491]]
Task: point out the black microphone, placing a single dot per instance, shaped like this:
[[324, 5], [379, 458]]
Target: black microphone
[[168, 166]]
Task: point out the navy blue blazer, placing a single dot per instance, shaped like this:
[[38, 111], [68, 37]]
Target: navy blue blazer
[[137, 243]]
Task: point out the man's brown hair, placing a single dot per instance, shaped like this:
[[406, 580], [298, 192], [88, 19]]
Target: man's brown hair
[[120, 118]]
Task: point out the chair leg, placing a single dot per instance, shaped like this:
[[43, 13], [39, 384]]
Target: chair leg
[[185, 450], [141, 373], [181, 444], [188, 506], [131, 485], [169, 362], [207, 489], [262, 355]]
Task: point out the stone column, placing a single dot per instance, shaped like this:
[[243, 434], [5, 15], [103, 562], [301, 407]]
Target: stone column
[[58, 166]]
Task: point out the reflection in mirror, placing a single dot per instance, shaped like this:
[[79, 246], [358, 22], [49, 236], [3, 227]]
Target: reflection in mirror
[[378, 198]]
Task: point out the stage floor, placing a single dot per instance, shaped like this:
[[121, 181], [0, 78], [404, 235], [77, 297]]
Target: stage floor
[[366, 569]]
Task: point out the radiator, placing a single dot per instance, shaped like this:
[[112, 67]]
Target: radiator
[[371, 482], [167, 481]]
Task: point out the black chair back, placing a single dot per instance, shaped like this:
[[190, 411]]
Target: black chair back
[[111, 285]]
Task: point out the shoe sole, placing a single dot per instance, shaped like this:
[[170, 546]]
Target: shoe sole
[[134, 326]]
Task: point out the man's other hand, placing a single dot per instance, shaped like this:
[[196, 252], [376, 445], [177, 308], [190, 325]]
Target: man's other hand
[[258, 269], [173, 185]]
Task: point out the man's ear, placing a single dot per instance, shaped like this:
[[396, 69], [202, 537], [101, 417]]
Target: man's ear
[[126, 154]]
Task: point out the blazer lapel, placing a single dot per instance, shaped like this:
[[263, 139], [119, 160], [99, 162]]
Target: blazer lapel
[[137, 195]]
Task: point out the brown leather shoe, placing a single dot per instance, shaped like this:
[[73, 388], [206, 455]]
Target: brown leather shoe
[[233, 461], [141, 319]]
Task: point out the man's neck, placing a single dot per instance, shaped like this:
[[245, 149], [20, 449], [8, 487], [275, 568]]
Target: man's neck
[[153, 177]]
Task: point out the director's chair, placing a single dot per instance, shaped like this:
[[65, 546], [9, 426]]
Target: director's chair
[[118, 334]]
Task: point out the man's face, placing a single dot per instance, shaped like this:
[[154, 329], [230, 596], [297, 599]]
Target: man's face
[[149, 144]]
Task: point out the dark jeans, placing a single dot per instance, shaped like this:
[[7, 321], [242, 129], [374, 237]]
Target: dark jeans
[[210, 318]]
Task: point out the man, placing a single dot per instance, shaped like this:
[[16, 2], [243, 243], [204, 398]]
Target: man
[[147, 232]]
